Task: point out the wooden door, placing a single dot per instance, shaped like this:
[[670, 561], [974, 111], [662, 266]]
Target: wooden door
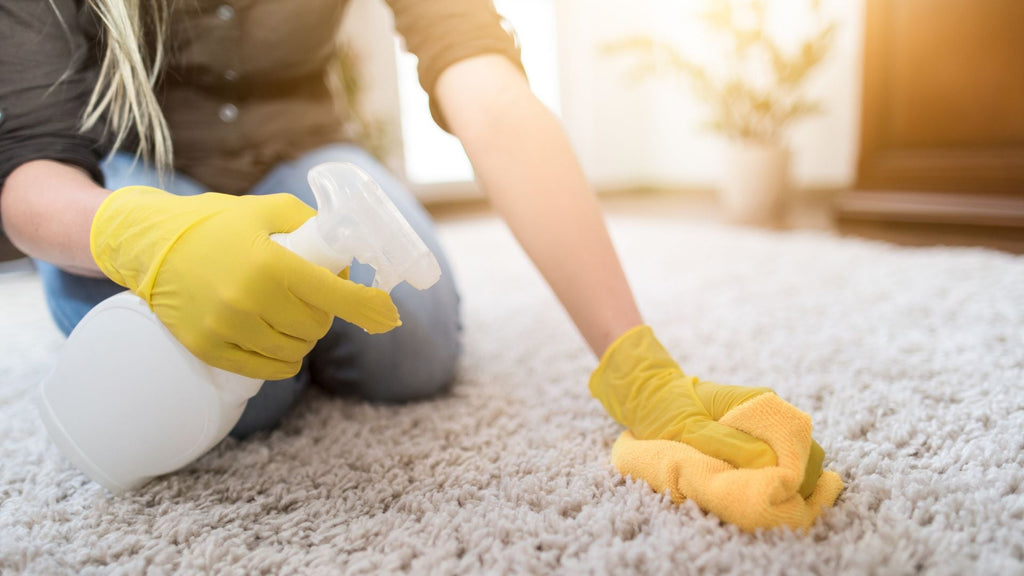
[[942, 137]]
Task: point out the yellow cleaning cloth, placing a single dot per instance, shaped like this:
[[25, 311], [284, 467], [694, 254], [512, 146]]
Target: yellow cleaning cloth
[[750, 498]]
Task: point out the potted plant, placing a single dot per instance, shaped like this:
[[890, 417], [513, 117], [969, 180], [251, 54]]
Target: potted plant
[[752, 99]]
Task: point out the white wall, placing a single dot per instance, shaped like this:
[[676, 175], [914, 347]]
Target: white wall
[[650, 133]]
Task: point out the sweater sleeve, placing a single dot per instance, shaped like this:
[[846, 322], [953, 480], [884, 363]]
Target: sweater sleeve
[[441, 33], [48, 69]]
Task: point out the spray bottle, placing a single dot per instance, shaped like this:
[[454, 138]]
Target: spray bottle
[[127, 402]]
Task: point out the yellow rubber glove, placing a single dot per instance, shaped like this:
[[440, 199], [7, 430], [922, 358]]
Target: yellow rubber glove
[[209, 270], [645, 390]]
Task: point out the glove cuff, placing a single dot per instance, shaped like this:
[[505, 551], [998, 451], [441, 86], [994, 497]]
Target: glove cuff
[[637, 332], [136, 226], [629, 358], [104, 248]]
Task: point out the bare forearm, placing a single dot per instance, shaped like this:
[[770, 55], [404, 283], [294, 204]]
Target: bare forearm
[[47, 210], [525, 163]]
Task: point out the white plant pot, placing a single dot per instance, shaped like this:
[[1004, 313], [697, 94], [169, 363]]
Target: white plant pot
[[755, 182]]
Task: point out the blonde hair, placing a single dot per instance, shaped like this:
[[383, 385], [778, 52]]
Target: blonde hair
[[134, 54]]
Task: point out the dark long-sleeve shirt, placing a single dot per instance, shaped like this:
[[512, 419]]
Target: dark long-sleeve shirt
[[244, 86]]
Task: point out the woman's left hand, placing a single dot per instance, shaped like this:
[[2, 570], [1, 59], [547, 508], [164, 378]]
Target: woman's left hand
[[645, 390]]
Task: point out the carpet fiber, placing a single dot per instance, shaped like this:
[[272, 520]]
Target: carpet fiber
[[910, 362]]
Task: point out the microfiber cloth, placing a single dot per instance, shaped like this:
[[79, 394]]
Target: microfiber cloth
[[749, 498]]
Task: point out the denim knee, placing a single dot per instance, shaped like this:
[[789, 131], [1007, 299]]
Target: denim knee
[[265, 410], [414, 361]]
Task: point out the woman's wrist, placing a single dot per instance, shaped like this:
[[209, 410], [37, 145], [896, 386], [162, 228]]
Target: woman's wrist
[[47, 209]]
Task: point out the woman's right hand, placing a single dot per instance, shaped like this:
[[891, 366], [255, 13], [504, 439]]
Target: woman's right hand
[[209, 270]]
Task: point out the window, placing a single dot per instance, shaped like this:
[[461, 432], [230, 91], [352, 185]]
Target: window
[[434, 157]]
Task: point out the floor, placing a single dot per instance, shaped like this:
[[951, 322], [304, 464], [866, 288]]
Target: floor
[[686, 205], [811, 211], [908, 362]]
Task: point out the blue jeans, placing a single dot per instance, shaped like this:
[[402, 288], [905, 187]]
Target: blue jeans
[[415, 360]]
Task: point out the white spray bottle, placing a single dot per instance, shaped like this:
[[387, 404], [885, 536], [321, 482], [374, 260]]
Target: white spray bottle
[[127, 402]]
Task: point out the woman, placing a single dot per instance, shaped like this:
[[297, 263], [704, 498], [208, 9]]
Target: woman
[[241, 100]]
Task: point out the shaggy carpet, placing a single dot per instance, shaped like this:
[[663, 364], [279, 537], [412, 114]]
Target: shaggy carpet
[[910, 362]]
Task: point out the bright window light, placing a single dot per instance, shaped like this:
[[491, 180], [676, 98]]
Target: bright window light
[[431, 155]]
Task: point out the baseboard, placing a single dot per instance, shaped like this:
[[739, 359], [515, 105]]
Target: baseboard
[[996, 210]]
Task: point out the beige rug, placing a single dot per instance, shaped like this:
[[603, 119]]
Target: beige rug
[[910, 361]]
